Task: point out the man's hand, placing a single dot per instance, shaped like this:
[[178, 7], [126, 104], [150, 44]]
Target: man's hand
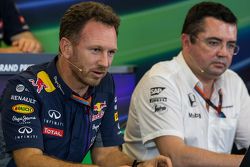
[[26, 42], [159, 161], [28, 45]]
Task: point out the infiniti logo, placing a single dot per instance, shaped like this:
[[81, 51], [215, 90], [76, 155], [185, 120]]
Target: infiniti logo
[[25, 129], [54, 114]]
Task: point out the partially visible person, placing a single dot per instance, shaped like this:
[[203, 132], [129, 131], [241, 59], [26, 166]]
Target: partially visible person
[[193, 108], [14, 31], [4, 156], [54, 113]]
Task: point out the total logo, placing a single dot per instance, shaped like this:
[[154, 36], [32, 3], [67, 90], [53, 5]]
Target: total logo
[[54, 114], [53, 131], [25, 130]]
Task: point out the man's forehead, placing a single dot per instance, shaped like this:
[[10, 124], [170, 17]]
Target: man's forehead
[[220, 29]]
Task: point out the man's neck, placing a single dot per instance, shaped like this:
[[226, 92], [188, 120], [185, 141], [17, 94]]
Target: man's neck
[[208, 87], [69, 79]]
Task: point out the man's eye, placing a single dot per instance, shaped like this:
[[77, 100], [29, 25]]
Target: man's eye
[[213, 43], [95, 50], [231, 46], [111, 53]]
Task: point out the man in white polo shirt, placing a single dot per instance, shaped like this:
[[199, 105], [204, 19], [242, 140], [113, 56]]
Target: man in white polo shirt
[[193, 108]]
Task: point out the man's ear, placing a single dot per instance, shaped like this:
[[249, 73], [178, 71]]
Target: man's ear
[[186, 42], [66, 47]]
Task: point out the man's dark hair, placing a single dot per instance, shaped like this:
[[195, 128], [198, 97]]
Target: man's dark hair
[[76, 17], [193, 23]]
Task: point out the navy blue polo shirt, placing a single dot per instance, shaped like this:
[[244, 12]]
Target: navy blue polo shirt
[[40, 111], [11, 22]]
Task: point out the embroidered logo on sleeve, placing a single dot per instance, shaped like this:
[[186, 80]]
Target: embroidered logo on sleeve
[[43, 82], [22, 108]]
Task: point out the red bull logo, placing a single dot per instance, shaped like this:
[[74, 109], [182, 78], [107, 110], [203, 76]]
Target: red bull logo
[[97, 116], [42, 82], [39, 84], [99, 106]]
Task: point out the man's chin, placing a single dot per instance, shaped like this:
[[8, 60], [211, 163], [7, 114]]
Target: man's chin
[[94, 82], [218, 73]]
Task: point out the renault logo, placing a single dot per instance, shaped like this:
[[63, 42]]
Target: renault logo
[[54, 114], [25, 129]]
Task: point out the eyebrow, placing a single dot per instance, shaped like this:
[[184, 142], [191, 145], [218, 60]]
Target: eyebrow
[[218, 39]]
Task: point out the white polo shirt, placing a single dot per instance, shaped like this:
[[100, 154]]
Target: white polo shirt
[[165, 103]]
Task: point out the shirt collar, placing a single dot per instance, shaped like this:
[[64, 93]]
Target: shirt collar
[[57, 80], [187, 73], [61, 86]]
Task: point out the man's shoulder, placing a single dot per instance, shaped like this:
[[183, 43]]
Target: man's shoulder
[[231, 75], [164, 70], [28, 77]]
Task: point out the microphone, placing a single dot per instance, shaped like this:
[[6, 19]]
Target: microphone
[[202, 71], [79, 69]]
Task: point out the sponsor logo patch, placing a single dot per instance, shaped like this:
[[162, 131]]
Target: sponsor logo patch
[[23, 109], [23, 120], [192, 100], [99, 106], [54, 114], [58, 85], [156, 90], [116, 116], [53, 118], [98, 116], [53, 131], [194, 115], [158, 99], [25, 130], [22, 98], [20, 88], [96, 127], [159, 108], [43, 82]]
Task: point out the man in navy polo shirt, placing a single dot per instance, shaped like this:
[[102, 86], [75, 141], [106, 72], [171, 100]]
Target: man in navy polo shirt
[[54, 113]]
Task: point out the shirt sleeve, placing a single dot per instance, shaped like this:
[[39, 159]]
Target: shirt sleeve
[[13, 22], [157, 104], [20, 117], [242, 138]]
